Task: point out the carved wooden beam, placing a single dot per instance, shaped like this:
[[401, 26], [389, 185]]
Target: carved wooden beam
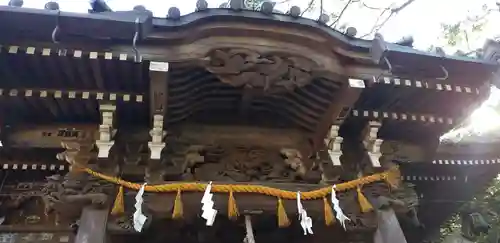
[[76, 152], [158, 73], [47, 136], [346, 97]]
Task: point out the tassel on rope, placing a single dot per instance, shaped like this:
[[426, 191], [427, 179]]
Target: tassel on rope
[[283, 220], [329, 217], [119, 204], [364, 204], [178, 211], [393, 177], [232, 208]]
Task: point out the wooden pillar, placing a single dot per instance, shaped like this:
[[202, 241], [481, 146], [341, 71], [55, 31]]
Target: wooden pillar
[[92, 228], [389, 230]]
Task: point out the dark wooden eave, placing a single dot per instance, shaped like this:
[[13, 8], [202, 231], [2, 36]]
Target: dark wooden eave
[[119, 27], [162, 38]]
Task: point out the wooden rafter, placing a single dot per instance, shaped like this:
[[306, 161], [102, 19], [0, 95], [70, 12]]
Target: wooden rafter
[[345, 97]]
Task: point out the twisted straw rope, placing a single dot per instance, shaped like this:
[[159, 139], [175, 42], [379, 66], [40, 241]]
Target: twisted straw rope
[[265, 190]]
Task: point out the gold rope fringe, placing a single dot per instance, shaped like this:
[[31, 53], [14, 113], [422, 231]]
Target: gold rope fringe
[[283, 220], [119, 204], [389, 176], [329, 217], [178, 211], [393, 179], [364, 204], [232, 208]]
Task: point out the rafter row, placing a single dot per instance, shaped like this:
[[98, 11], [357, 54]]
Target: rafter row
[[75, 94], [402, 116], [466, 162], [426, 85], [30, 50], [429, 178], [15, 166]]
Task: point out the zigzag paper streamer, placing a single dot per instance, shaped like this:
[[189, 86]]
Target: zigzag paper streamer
[[339, 214], [305, 221], [139, 218], [209, 212]]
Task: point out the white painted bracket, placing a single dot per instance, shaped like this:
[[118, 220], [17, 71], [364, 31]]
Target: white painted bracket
[[334, 144], [157, 134], [106, 131], [372, 143], [104, 148]]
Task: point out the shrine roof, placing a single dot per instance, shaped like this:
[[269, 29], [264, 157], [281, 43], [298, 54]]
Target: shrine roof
[[17, 22], [83, 58]]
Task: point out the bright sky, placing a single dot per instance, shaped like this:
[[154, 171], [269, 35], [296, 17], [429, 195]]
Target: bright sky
[[421, 19]]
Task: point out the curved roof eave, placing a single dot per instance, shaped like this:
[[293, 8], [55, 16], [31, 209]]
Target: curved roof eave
[[121, 26], [245, 15]]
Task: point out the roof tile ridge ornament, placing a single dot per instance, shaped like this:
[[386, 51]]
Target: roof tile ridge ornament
[[237, 5], [201, 5], [378, 51], [16, 3]]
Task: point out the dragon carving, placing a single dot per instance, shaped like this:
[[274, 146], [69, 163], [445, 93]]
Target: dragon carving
[[271, 72], [64, 197], [244, 163]]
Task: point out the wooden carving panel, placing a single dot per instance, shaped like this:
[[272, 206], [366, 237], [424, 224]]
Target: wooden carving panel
[[402, 152], [246, 163], [237, 153], [271, 72]]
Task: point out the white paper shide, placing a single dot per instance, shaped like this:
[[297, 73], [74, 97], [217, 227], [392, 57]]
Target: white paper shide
[[305, 221], [139, 218], [207, 208], [339, 214]]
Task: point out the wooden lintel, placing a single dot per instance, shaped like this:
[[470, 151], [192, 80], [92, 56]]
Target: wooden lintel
[[389, 230], [92, 228], [346, 97], [33, 228]]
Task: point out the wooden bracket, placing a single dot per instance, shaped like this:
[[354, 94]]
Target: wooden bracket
[[158, 73], [334, 144], [106, 130], [372, 143]]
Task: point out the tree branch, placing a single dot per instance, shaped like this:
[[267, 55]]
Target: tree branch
[[309, 7], [373, 8], [394, 11], [334, 24]]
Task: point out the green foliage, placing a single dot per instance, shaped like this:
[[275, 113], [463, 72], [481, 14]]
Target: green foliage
[[488, 204], [460, 35], [463, 33], [253, 4]]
